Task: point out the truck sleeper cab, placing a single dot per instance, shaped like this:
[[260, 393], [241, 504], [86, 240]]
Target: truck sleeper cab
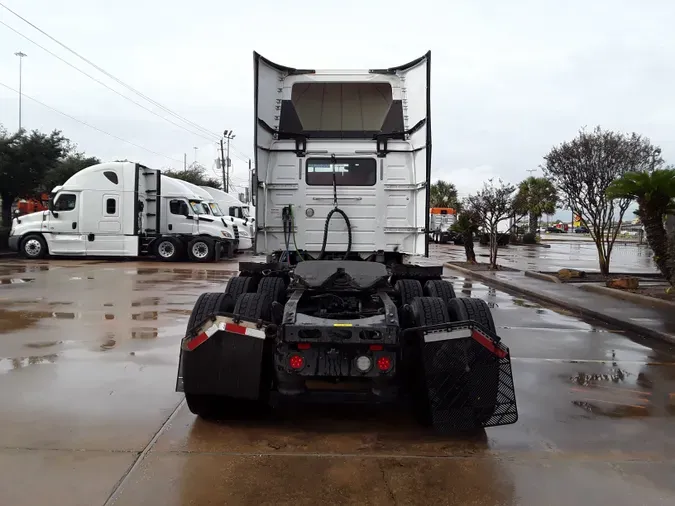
[[116, 210], [345, 308]]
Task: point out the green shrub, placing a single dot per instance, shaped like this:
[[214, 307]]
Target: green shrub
[[530, 238]]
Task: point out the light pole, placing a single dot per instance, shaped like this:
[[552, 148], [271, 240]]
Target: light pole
[[195, 148], [229, 135], [21, 56]]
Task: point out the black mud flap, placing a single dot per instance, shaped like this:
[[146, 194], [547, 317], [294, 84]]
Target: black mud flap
[[222, 357], [467, 372]]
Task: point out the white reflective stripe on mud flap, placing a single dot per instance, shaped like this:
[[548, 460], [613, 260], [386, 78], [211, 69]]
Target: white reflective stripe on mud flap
[[444, 335]]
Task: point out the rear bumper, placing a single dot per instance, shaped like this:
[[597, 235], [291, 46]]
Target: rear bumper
[[14, 242]]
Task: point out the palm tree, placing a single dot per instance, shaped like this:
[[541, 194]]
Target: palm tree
[[536, 196], [654, 192], [443, 194]]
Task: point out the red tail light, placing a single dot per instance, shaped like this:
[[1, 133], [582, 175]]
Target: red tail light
[[296, 362], [376, 347], [384, 364]]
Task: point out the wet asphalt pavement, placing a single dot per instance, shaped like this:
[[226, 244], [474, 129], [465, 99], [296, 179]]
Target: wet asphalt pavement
[[626, 257], [88, 354]]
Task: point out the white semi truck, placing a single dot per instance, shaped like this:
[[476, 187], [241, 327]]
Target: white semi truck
[[212, 207], [122, 209], [232, 206], [345, 308]]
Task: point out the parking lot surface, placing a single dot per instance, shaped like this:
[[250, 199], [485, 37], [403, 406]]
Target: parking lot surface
[[88, 355]]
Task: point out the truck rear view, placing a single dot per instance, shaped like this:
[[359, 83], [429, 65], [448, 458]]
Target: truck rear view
[[345, 307]]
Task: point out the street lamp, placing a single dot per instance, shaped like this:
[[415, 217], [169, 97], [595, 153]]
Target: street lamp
[[195, 148], [21, 56]]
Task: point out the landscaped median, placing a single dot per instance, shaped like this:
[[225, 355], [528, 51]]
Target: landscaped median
[[652, 321]]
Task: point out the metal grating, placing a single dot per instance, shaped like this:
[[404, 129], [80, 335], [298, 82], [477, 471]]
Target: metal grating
[[468, 386]]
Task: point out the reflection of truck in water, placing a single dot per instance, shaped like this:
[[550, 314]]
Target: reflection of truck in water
[[122, 209], [441, 220], [345, 308]]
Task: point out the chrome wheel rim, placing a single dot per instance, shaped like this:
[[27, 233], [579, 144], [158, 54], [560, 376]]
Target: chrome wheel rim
[[32, 247], [200, 250], [166, 249]]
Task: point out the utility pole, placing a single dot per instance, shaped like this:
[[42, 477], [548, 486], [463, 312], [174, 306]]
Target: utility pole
[[229, 135], [21, 56], [195, 148], [531, 171], [250, 183], [222, 165], [184, 161]]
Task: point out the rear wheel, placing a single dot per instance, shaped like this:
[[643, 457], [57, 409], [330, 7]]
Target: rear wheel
[[439, 288], [169, 249], [237, 286], [408, 289], [273, 288], [482, 384], [201, 249], [255, 306], [211, 406]]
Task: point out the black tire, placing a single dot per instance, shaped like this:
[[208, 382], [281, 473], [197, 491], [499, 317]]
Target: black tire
[[255, 306], [425, 311], [273, 288], [206, 406], [472, 309], [237, 286], [168, 249], [439, 288], [408, 289], [34, 247], [483, 385], [201, 249]]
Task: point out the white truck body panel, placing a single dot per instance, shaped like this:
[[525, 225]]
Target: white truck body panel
[[376, 123]]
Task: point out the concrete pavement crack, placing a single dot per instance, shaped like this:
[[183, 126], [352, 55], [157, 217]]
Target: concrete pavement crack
[[386, 483]]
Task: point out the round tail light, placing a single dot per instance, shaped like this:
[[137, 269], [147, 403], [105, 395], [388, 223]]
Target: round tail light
[[384, 363], [296, 362]]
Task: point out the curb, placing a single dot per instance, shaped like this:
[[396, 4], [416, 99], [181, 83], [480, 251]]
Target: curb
[[629, 296], [543, 277], [589, 313]]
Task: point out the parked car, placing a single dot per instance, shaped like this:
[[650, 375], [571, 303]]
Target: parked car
[[554, 230], [581, 230]]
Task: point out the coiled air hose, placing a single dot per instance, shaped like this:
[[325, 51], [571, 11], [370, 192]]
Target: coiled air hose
[[336, 209]]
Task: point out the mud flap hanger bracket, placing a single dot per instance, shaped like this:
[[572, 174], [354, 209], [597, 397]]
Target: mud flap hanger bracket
[[484, 337]]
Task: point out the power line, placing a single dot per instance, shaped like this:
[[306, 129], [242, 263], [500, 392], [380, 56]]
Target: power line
[[103, 84], [91, 126], [111, 76]]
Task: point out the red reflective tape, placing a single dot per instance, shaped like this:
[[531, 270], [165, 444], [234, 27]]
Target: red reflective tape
[[487, 343], [235, 329], [196, 341]]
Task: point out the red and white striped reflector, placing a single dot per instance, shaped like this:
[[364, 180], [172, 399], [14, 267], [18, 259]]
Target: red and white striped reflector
[[234, 328], [475, 334]]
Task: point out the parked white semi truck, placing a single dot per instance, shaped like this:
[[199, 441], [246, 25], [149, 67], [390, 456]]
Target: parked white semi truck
[[211, 206], [122, 209], [232, 206], [345, 308]]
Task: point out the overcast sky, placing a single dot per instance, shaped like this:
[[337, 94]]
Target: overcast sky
[[510, 79]]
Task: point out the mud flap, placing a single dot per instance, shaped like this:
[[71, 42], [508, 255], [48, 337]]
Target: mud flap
[[468, 378], [222, 357]]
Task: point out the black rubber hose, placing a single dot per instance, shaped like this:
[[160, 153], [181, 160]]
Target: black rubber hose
[[325, 233]]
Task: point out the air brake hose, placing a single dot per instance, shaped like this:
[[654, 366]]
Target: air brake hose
[[336, 209]]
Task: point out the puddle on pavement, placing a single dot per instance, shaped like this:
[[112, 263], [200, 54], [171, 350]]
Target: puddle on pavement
[[15, 281], [586, 379], [144, 316], [44, 344], [147, 301], [13, 364], [144, 334]]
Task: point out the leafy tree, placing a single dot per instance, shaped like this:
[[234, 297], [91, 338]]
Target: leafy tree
[[443, 194], [536, 196], [25, 158], [491, 205], [583, 169], [467, 224], [654, 193], [70, 165], [195, 174]]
